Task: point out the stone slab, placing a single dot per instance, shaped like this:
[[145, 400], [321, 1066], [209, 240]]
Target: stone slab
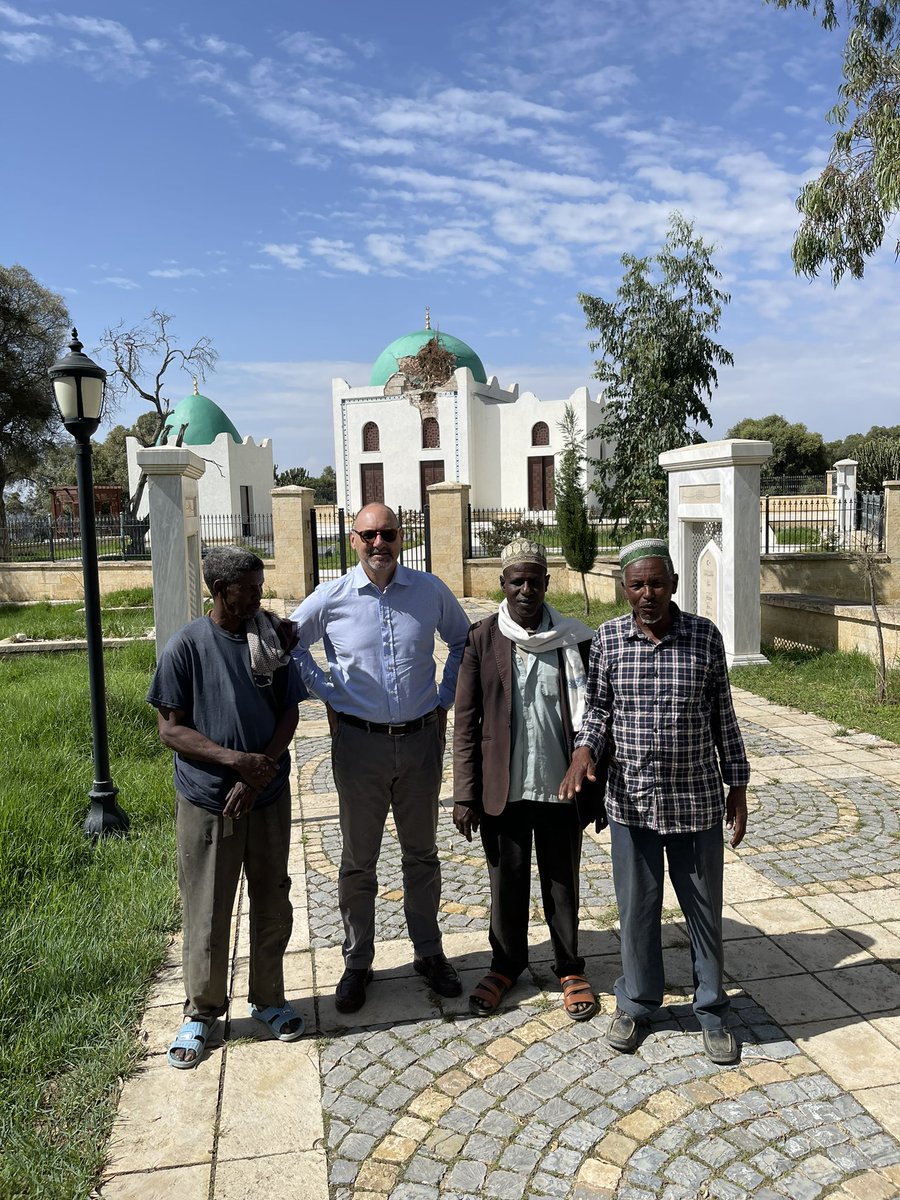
[[853, 1053], [271, 1100]]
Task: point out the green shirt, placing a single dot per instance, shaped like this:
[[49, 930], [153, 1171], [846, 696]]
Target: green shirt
[[539, 757]]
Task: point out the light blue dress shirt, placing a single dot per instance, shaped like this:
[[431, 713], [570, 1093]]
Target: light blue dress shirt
[[380, 645]]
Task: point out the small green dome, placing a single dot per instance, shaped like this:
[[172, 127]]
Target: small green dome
[[204, 420], [411, 343]]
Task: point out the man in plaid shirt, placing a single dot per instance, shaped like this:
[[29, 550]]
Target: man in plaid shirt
[[659, 711]]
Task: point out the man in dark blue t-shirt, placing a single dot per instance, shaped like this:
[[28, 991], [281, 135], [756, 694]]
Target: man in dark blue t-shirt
[[226, 697]]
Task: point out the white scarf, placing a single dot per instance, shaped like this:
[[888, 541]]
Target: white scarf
[[565, 634]]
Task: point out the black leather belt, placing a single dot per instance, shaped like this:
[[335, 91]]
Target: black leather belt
[[392, 730]]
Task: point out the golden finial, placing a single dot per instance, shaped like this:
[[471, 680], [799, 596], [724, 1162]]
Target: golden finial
[[427, 317], [196, 389]]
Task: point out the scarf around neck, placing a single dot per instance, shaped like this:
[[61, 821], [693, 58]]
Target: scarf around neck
[[564, 634]]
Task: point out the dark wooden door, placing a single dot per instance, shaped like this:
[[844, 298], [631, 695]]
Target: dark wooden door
[[372, 479], [430, 472], [540, 481]]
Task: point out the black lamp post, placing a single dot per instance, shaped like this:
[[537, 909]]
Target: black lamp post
[[78, 384]]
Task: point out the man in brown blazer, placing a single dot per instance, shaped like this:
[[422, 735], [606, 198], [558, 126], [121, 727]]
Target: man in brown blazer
[[519, 700]]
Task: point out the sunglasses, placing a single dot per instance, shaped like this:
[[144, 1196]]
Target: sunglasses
[[369, 535]]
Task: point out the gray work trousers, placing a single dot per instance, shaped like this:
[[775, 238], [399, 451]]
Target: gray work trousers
[[377, 773], [211, 852], [695, 863]]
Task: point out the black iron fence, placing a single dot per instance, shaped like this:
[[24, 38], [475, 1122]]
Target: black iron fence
[[490, 529], [792, 485], [45, 538], [803, 524]]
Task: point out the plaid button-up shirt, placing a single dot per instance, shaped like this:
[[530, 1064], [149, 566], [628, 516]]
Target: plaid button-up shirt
[[663, 712]]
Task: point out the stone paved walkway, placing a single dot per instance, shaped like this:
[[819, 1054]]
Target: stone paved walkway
[[413, 1099]]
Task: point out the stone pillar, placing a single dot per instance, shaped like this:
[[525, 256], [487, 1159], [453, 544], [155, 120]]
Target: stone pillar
[[844, 500], [172, 476], [892, 519], [714, 537], [448, 507], [292, 576]]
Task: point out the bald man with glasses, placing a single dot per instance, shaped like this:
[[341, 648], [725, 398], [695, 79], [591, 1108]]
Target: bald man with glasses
[[388, 720]]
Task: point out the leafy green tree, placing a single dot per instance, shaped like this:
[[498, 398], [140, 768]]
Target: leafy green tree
[[324, 485], [796, 450], [33, 325], [879, 459], [578, 537], [658, 363], [852, 444], [847, 209]]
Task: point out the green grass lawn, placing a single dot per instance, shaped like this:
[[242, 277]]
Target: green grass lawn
[[54, 621], [83, 927], [829, 683]]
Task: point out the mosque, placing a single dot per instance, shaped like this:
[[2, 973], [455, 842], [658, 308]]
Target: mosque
[[239, 475], [429, 414]]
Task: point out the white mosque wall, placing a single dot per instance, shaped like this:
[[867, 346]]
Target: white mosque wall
[[230, 466], [485, 436]]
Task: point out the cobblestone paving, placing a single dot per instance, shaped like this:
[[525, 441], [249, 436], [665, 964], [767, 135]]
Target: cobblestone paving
[[809, 834], [530, 1104]]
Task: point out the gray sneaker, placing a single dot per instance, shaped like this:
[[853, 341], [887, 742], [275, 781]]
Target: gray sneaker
[[720, 1046], [623, 1033]]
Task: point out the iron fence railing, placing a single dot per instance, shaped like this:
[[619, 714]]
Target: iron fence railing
[[490, 529], [792, 485], [44, 538], [798, 524]]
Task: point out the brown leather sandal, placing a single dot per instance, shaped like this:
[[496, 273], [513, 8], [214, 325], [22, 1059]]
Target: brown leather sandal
[[486, 996], [577, 990]]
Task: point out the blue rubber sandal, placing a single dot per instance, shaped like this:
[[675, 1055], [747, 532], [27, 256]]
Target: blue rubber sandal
[[276, 1019], [193, 1035]]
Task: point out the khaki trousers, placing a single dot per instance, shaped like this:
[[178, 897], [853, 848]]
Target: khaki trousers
[[211, 852]]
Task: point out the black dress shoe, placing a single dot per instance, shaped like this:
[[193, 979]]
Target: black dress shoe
[[440, 973], [350, 994]]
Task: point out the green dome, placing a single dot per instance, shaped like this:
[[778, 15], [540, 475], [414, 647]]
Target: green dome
[[411, 343], [204, 420]]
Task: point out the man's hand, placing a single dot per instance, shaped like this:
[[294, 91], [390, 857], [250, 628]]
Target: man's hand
[[736, 814], [287, 631], [256, 770], [239, 801], [465, 819], [581, 767]]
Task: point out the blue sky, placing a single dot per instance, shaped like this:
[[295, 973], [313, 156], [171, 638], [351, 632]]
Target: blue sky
[[298, 181]]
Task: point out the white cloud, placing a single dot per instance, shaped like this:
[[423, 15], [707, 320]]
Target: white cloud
[[119, 281], [339, 255], [16, 16], [25, 47], [287, 254], [175, 272]]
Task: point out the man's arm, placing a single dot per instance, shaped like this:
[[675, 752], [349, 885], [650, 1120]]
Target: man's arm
[[591, 738], [254, 769], [242, 796], [309, 619], [453, 629], [467, 719]]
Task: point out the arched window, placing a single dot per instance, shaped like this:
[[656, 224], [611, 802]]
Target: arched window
[[371, 440], [540, 434], [431, 434]]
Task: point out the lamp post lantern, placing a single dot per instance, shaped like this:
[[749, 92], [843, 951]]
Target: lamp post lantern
[[78, 384]]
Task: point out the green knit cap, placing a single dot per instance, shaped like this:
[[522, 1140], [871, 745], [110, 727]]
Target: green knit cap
[[646, 548]]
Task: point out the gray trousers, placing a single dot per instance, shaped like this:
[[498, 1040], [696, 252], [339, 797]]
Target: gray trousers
[[374, 774], [695, 863], [211, 853]]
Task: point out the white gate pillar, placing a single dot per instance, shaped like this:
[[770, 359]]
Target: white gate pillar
[[172, 476], [714, 537], [845, 499]]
